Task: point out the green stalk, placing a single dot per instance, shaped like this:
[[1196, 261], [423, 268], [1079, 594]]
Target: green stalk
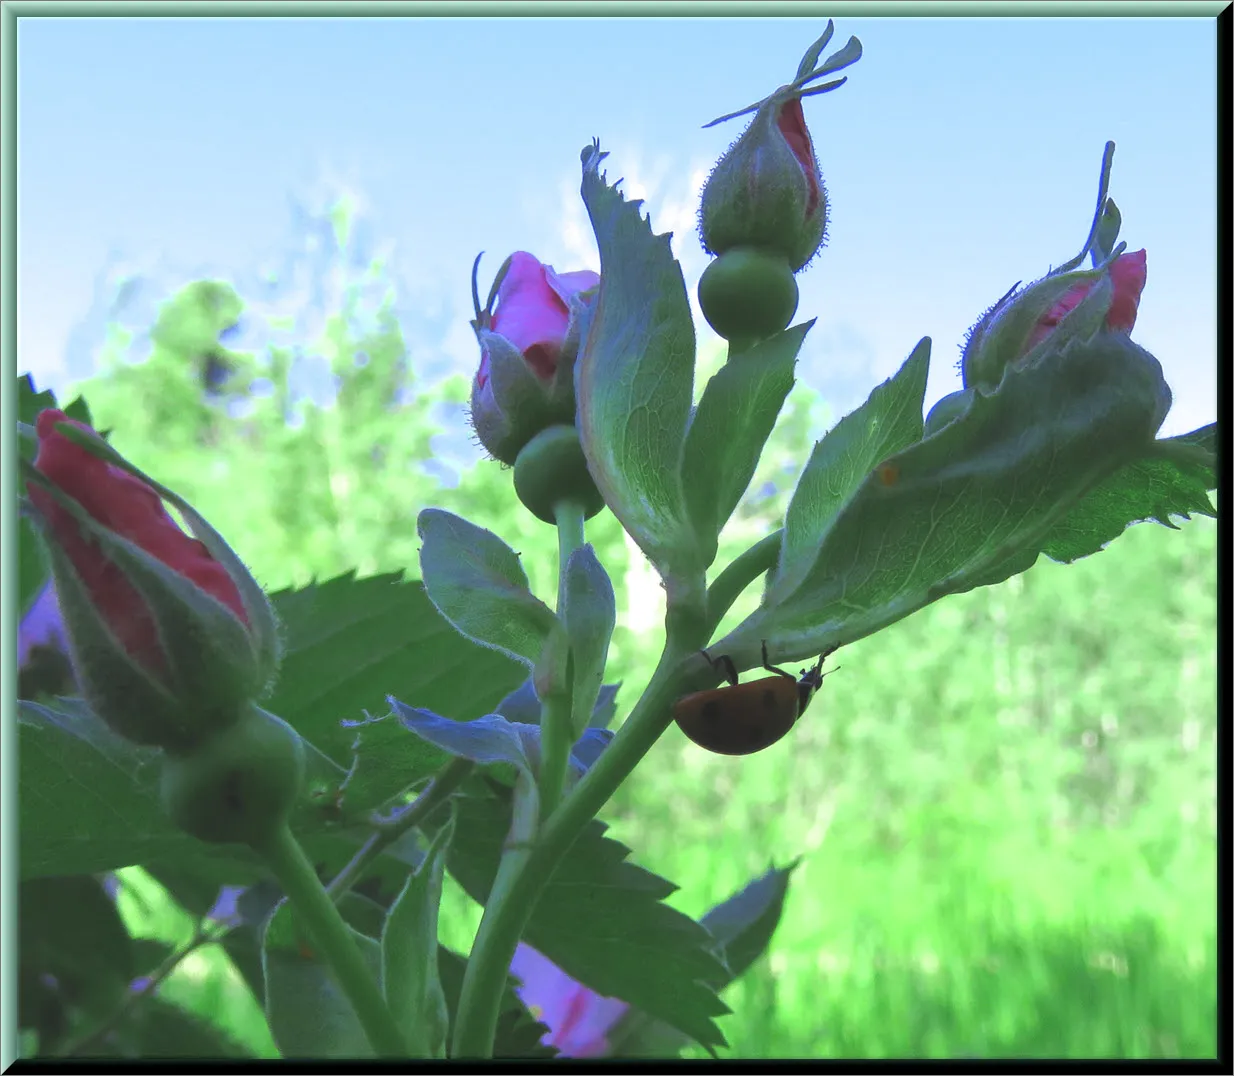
[[728, 586], [485, 979], [524, 872], [332, 940]]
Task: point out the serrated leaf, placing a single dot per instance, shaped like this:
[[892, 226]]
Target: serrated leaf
[[973, 503], [386, 762], [742, 927], [635, 376], [730, 427], [888, 421], [477, 583], [589, 613], [409, 974], [1153, 488], [348, 642], [602, 920]]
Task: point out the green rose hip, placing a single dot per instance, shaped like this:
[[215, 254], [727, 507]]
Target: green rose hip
[[748, 294]]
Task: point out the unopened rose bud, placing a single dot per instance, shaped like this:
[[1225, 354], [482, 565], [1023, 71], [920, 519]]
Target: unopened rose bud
[[170, 635], [528, 344]]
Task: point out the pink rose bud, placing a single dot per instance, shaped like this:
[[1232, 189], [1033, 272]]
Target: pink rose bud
[[1052, 312], [767, 191], [528, 343], [168, 632]]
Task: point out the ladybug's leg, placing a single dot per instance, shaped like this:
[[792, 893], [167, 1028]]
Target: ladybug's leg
[[724, 666], [774, 668]]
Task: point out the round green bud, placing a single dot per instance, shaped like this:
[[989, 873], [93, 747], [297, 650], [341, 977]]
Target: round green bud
[[238, 785], [748, 294], [947, 410], [551, 468]]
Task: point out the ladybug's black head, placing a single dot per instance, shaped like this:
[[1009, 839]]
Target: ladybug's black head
[[811, 680]]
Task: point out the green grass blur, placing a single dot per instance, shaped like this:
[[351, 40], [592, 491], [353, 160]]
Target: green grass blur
[[1006, 810]]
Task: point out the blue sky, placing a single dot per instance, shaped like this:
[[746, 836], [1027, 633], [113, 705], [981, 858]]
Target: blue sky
[[961, 156]]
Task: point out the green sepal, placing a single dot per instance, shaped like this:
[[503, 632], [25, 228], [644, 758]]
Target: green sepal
[[1001, 337], [589, 613]]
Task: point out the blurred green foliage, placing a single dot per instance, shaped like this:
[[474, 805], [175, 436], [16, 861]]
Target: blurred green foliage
[[1006, 804]]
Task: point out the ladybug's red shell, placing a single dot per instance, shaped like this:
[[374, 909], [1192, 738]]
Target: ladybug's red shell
[[742, 718]]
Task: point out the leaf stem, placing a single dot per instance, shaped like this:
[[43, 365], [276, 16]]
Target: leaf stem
[[332, 940], [728, 586], [440, 789]]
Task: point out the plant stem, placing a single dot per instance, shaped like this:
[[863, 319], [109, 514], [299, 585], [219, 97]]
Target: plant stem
[[727, 587], [524, 873], [483, 982], [332, 940], [440, 789]]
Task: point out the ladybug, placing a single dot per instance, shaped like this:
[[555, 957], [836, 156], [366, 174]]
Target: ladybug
[[744, 718]]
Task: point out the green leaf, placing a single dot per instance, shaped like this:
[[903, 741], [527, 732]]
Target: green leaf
[[386, 763], [635, 376], [1152, 488], [90, 801], [158, 1028], [734, 419], [70, 929], [972, 504], [602, 920], [478, 584], [589, 613], [742, 927], [348, 642], [410, 977], [887, 422], [309, 1016]]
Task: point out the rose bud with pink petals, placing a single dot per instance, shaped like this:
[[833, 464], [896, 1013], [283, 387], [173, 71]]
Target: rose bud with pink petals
[[1054, 310], [169, 634], [529, 335]]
